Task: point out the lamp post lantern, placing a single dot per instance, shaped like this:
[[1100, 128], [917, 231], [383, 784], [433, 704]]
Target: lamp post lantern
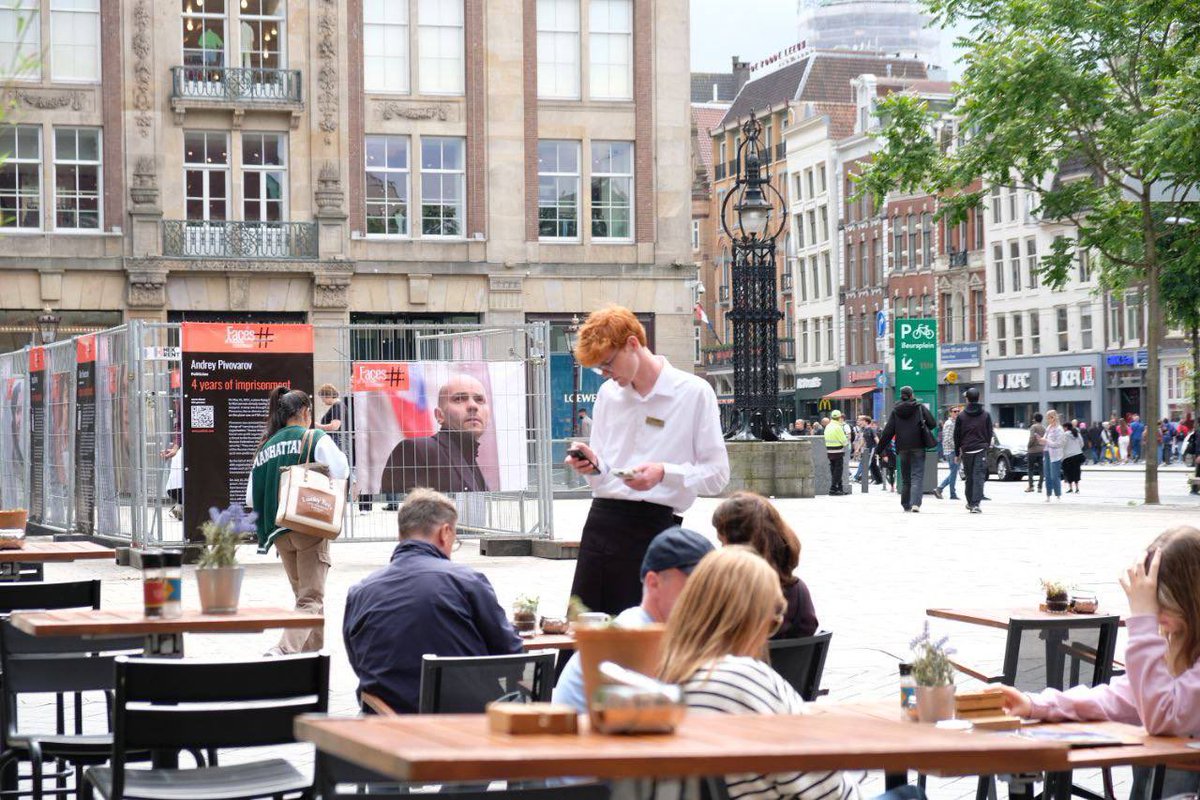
[[755, 314], [47, 323]]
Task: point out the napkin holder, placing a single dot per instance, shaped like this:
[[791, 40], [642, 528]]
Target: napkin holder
[[528, 718]]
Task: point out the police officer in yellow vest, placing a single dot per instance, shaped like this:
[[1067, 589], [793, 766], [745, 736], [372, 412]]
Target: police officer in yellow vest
[[835, 445]]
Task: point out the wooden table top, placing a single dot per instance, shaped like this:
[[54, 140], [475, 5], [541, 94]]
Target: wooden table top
[[460, 747], [107, 622], [38, 551], [549, 641], [999, 617]]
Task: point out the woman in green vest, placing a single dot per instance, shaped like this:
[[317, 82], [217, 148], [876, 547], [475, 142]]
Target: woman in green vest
[[305, 558]]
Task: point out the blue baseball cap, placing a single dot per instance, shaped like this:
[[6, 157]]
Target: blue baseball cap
[[675, 548]]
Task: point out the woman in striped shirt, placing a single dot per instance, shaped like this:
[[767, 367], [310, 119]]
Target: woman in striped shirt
[[714, 646]]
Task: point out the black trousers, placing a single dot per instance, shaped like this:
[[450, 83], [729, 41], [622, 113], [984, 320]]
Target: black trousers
[[835, 470], [608, 573], [1034, 468]]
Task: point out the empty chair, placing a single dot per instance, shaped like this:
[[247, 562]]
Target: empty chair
[[801, 662], [173, 704], [466, 685], [39, 596], [58, 665]]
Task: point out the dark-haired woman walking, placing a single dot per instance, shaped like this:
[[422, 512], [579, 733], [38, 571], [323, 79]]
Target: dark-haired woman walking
[[305, 558]]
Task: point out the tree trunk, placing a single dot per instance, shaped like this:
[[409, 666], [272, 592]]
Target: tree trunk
[[1195, 370], [1153, 341]]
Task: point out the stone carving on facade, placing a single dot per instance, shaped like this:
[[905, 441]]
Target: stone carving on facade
[[393, 110], [147, 285], [239, 292], [143, 89], [48, 102], [144, 190], [331, 289], [505, 292], [329, 193], [327, 74]]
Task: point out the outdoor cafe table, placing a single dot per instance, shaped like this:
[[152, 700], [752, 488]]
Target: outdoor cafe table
[[164, 636], [1000, 617], [549, 641], [39, 552]]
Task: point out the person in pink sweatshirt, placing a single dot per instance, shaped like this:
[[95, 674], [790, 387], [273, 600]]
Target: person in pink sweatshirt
[[1160, 689]]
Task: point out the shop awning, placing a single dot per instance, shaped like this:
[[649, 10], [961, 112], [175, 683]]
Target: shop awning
[[849, 393]]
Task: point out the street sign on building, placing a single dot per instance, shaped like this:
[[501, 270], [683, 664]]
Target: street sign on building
[[916, 357]]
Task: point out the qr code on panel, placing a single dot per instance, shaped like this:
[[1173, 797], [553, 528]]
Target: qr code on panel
[[202, 417]]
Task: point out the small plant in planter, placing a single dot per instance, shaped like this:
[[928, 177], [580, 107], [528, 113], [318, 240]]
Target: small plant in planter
[[218, 575], [934, 676], [525, 613], [1058, 596]]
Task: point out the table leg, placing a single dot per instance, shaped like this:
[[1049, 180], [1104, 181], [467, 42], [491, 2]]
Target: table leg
[[894, 780], [1156, 783], [164, 645]]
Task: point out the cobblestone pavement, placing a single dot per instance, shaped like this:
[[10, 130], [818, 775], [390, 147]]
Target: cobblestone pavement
[[872, 570]]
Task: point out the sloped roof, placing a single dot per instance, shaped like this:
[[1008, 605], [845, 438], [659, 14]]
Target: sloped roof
[[885, 86], [702, 87], [705, 118], [768, 91], [841, 118]]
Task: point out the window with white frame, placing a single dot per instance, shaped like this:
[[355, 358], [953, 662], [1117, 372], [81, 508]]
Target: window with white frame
[[440, 44], [612, 190], [77, 178], [802, 274], [443, 186], [994, 197], [206, 175], [1116, 327], [75, 40], [803, 340], [852, 340], [1133, 317], [1018, 332], [263, 32], [821, 178], [1060, 315], [1035, 333], [558, 49], [1001, 335], [1014, 263], [817, 340], [558, 190], [1175, 384], [1012, 204], [828, 273], [385, 46], [610, 49], [823, 223], [696, 352], [21, 177], [799, 230], [695, 234], [20, 39], [1031, 262], [1084, 262], [264, 177], [205, 31], [1085, 327], [387, 185], [829, 350]]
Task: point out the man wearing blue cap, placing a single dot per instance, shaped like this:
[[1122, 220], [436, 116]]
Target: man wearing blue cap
[[669, 560]]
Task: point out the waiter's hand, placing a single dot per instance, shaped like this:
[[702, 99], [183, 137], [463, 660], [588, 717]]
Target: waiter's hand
[[648, 476], [587, 465]]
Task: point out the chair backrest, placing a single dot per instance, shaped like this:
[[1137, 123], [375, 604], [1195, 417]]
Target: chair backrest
[[1060, 653], [40, 596], [56, 665], [466, 685], [167, 703], [801, 661]]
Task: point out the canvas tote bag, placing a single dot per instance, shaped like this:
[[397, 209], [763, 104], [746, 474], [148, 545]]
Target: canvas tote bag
[[309, 500]]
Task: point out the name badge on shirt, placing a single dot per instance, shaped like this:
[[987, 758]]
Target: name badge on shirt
[[655, 422]]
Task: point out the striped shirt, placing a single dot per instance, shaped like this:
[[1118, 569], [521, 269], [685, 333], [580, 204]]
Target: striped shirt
[[740, 685]]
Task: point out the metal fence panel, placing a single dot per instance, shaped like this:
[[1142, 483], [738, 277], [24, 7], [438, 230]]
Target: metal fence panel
[[116, 436], [58, 464], [14, 429]]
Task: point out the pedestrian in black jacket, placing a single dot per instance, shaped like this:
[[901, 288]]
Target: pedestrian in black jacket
[[911, 425], [972, 437], [1191, 455]]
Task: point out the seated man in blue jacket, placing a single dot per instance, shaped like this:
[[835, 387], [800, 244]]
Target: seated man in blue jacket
[[421, 603]]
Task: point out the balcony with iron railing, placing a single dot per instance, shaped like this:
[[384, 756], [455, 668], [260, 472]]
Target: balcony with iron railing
[[236, 88], [239, 240]]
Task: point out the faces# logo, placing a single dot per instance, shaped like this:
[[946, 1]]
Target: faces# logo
[[248, 338]]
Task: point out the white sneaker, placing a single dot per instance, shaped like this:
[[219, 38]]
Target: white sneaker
[[1047, 498]]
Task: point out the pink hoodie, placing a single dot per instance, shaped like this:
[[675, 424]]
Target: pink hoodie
[[1147, 694]]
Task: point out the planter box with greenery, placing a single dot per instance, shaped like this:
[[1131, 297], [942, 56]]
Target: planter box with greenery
[[934, 675], [218, 575]]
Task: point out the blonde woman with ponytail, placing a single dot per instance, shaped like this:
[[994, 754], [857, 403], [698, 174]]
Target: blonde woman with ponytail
[[714, 647]]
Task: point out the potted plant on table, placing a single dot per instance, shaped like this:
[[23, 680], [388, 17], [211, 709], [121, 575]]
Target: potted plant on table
[[525, 610], [934, 675], [1058, 596], [218, 575]]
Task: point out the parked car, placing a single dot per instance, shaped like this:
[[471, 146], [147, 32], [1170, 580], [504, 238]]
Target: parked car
[[1006, 458]]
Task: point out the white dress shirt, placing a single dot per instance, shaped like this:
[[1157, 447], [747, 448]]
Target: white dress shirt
[[676, 424]]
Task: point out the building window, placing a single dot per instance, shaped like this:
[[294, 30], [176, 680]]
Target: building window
[[978, 303], [204, 37], [558, 190], [812, 227], [927, 236], [443, 186], [994, 196], [851, 281], [823, 221], [1018, 331], [946, 334], [206, 175], [696, 337], [263, 34], [695, 234], [612, 190], [1014, 264], [264, 177], [831, 354], [610, 49], [1133, 317], [979, 228], [1035, 333], [1174, 384], [385, 45], [558, 49], [1031, 262], [76, 178], [913, 249], [1001, 335], [440, 67], [1060, 315], [21, 177], [387, 185], [20, 39], [828, 274], [1116, 327], [1085, 327], [802, 274], [817, 340], [1012, 204], [75, 40], [799, 229], [998, 266], [1085, 264], [821, 177], [852, 340]]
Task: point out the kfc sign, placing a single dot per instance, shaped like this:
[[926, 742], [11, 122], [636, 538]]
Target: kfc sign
[[1075, 377], [1014, 381]]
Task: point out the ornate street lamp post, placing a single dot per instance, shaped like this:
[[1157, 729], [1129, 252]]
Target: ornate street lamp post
[[47, 323], [755, 314]]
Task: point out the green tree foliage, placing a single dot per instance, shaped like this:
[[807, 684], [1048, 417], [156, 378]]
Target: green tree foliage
[[1091, 105]]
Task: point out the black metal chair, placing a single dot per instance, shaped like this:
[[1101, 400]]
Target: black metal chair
[[801, 661], [23, 596], [168, 703], [466, 685], [62, 666]]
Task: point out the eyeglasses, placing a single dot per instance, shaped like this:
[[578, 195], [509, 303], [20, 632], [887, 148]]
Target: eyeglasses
[[605, 367]]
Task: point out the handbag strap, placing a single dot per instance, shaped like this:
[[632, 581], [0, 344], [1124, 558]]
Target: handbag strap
[[306, 447]]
